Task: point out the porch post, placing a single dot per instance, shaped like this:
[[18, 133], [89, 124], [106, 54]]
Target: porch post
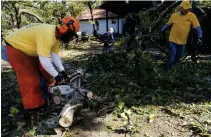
[[106, 20], [118, 23]]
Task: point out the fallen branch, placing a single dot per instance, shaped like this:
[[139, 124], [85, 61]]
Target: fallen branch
[[173, 5], [159, 47], [199, 122], [24, 11], [153, 9]]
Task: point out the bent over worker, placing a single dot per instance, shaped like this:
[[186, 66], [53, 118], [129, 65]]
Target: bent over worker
[[181, 23], [108, 40], [29, 50]]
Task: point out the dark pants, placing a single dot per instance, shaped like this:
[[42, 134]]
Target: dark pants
[[175, 53], [107, 46]]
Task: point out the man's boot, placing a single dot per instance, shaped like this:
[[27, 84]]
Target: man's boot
[[33, 114], [27, 116]]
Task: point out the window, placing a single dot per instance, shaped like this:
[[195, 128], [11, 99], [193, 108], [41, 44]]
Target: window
[[113, 21], [97, 25]]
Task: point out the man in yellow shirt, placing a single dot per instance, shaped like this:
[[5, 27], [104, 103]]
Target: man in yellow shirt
[[181, 23], [29, 50]]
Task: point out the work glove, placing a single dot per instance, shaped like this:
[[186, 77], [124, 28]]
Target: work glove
[[59, 79], [64, 74], [199, 41]]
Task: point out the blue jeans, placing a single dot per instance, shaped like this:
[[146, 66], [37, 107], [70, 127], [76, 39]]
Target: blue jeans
[[43, 86], [175, 53], [4, 53]]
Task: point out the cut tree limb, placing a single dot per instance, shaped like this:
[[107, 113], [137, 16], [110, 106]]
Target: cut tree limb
[[154, 8], [24, 11], [159, 47], [89, 94], [5, 5]]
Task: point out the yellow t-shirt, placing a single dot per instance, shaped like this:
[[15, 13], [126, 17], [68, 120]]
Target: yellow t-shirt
[[181, 25], [35, 39]]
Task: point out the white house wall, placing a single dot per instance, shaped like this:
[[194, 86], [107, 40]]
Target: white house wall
[[86, 26]]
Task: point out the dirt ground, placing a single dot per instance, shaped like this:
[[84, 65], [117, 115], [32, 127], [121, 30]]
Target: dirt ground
[[163, 123]]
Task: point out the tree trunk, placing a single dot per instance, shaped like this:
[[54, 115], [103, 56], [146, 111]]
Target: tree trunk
[[92, 17], [17, 23]]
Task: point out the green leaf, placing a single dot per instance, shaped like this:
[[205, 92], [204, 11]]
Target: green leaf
[[13, 111], [20, 125], [121, 105], [57, 92], [123, 115], [93, 6], [125, 123], [108, 130], [128, 112], [18, 100], [153, 98], [151, 118], [91, 22], [32, 132]]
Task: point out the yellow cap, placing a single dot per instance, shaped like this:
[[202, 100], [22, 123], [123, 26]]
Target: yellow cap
[[186, 5]]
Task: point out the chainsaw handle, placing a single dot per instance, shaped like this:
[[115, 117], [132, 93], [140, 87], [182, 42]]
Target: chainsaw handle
[[53, 83]]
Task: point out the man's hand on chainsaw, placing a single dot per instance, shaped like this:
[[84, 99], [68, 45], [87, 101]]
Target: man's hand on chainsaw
[[64, 74], [59, 79]]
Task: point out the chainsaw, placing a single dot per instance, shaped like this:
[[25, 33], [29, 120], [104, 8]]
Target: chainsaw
[[70, 96]]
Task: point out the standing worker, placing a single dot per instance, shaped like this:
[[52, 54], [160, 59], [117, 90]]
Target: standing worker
[[28, 50], [108, 40], [181, 23]]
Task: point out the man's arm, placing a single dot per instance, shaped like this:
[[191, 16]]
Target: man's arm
[[48, 66], [199, 32], [195, 23], [197, 27], [165, 27], [57, 61], [43, 50]]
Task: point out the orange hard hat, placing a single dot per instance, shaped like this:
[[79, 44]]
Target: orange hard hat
[[68, 23]]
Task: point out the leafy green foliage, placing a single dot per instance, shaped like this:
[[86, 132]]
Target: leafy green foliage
[[13, 111], [57, 92], [206, 4], [20, 125], [149, 89], [77, 7], [32, 132], [148, 85], [38, 11]]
